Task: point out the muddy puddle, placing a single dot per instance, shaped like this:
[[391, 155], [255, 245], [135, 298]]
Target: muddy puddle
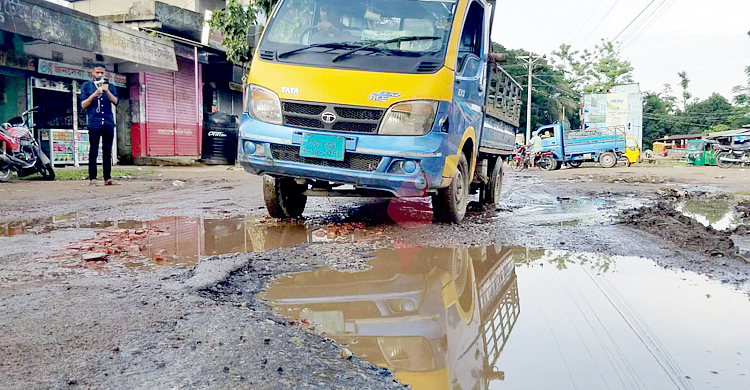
[[718, 214], [187, 240], [511, 318], [585, 211]]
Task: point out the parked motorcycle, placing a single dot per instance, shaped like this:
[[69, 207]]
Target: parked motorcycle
[[20, 152], [729, 156], [522, 160]]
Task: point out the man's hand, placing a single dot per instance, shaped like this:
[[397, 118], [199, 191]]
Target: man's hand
[[105, 87], [97, 93]]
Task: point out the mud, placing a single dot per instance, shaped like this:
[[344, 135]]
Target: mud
[[698, 221], [182, 309]]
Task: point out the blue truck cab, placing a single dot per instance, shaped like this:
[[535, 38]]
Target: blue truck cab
[[402, 99], [573, 147]]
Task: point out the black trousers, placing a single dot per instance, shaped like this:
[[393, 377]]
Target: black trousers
[[107, 135]]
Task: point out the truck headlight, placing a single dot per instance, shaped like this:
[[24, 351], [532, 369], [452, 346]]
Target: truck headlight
[[263, 105], [409, 118]]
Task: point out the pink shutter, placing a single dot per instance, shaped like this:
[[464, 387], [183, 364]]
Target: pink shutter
[[187, 131], [160, 123]]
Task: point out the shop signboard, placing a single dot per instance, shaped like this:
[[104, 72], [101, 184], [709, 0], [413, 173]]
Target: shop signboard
[[40, 19], [13, 60], [76, 72]]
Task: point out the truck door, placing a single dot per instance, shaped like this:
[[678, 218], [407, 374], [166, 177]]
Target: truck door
[[469, 88], [552, 140]]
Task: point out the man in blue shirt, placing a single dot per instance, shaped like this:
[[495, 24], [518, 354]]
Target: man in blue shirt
[[99, 97]]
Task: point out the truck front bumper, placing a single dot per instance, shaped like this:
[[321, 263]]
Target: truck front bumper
[[371, 161]]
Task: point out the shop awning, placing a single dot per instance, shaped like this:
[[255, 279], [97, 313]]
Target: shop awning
[[42, 20]]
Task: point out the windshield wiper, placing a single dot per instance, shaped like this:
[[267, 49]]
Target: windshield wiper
[[333, 46], [372, 45]]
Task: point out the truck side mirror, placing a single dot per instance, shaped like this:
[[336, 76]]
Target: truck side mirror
[[253, 35]]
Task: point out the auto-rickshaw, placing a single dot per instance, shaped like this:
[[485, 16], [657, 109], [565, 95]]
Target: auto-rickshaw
[[701, 152]]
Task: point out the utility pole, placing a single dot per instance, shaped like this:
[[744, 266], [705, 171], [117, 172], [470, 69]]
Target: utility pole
[[529, 60]]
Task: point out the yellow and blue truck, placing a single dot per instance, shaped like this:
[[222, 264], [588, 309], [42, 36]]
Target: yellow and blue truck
[[387, 98]]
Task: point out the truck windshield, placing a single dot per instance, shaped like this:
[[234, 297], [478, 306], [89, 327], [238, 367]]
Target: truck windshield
[[695, 146], [405, 36]]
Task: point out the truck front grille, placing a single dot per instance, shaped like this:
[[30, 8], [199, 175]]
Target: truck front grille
[[348, 119], [356, 161]]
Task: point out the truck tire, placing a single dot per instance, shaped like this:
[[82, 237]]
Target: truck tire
[[574, 164], [284, 197], [449, 204], [491, 191], [608, 160]]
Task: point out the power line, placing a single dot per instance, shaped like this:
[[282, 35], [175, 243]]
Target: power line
[[600, 22], [650, 24], [543, 23], [564, 24], [634, 19], [589, 15]]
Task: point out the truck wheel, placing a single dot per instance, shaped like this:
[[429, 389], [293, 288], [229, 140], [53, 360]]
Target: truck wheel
[[449, 204], [608, 160], [284, 197], [575, 164], [491, 191]]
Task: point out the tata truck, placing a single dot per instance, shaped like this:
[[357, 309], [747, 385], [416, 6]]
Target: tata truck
[[388, 98], [573, 147], [439, 318]]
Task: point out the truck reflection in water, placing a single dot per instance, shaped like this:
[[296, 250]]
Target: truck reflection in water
[[439, 319]]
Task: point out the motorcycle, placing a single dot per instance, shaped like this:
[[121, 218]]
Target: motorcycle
[[20, 152], [729, 156], [522, 160]]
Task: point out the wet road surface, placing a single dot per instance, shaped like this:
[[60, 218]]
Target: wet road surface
[[510, 317], [162, 291]]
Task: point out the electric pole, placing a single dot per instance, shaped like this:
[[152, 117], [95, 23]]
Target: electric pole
[[529, 60]]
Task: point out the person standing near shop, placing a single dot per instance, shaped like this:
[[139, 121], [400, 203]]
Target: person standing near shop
[[100, 96]]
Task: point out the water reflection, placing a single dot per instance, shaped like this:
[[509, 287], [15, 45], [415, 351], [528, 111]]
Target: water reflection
[[439, 317], [186, 240], [450, 318], [717, 214]]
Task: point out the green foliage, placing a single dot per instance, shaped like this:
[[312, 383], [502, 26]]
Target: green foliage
[[658, 117], [593, 71], [233, 23], [551, 94]]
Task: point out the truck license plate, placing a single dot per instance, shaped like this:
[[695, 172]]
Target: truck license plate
[[329, 147]]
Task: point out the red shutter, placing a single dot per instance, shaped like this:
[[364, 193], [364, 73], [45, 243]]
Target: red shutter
[[187, 132], [160, 114], [171, 118]]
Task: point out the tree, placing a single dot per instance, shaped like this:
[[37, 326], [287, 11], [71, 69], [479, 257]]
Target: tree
[[593, 71], [658, 116], [233, 23], [684, 83], [551, 94], [741, 113]]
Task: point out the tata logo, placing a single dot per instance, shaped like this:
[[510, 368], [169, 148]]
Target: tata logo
[[383, 96], [290, 91], [328, 117]]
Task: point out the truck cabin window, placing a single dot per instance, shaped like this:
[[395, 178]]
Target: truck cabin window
[[471, 35], [384, 35]]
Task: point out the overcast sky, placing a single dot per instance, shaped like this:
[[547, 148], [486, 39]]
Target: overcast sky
[[706, 38]]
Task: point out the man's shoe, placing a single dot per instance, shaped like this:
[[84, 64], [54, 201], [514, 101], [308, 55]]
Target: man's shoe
[[93, 182], [109, 182]]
